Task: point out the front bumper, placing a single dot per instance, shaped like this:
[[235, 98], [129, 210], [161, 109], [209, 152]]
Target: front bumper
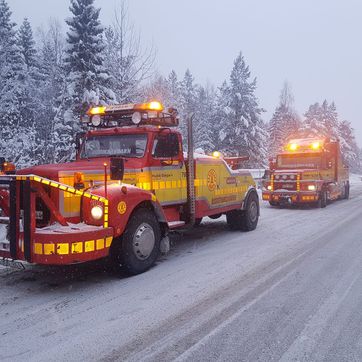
[[57, 245], [60, 243], [290, 197]]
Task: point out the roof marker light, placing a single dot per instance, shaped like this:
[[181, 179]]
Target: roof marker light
[[97, 111], [155, 106]]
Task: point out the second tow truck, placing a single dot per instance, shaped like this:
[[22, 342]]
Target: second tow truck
[[307, 171]]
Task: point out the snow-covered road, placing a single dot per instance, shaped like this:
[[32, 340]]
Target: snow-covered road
[[290, 290]]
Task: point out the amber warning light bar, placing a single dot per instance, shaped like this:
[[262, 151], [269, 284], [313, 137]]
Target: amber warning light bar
[[151, 113]]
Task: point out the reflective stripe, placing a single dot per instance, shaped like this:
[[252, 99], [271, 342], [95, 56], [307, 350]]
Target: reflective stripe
[[108, 242], [73, 248], [89, 246], [62, 248], [49, 249], [38, 248], [77, 248], [100, 244]]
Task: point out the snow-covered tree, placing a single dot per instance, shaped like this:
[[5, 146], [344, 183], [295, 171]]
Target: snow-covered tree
[[205, 125], [242, 129], [188, 100], [11, 72], [16, 134], [87, 78], [31, 79], [321, 120], [284, 123], [349, 147], [51, 127], [27, 44], [87, 81]]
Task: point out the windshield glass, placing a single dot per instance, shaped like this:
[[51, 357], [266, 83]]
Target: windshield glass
[[299, 161], [127, 145]]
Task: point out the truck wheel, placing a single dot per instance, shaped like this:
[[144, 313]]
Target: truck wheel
[[245, 220], [140, 243], [346, 191], [323, 200]]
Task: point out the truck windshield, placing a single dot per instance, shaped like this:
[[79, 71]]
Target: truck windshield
[[299, 161], [127, 145]]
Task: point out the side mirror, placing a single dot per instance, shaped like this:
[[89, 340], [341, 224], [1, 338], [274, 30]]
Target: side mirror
[[117, 168]]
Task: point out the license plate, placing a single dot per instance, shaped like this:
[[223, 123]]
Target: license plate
[[288, 186], [12, 264]]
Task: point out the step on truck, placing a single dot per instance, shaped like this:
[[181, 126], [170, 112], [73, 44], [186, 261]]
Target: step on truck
[[130, 185], [307, 171]]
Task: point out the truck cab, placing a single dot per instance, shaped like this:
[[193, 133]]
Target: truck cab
[[309, 170]]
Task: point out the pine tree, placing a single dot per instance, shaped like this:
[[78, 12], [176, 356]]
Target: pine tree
[[321, 121], [31, 81], [16, 136], [51, 126], [188, 100], [86, 81], [349, 147], [284, 123], [243, 131], [205, 120], [87, 77], [174, 90], [27, 44]]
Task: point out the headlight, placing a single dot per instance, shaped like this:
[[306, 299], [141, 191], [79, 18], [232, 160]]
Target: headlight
[[97, 212], [269, 187], [311, 188]]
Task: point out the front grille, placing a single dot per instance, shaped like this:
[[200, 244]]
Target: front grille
[[285, 182], [292, 186]]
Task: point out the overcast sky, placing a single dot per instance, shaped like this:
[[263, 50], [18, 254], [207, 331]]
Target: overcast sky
[[314, 44]]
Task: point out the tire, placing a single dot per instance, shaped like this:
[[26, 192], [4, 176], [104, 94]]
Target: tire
[[273, 203], [214, 217], [323, 200], [139, 247], [346, 191], [198, 221], [247, 219]]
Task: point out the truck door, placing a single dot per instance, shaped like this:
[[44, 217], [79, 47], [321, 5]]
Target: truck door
[[168, 171]]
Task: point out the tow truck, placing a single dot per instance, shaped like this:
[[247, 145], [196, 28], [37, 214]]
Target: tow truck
[[129, 187], [307, 171]]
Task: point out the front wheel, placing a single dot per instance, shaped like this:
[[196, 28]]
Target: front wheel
[[247, 219], [346, 191], [138, 248], [323, 199]]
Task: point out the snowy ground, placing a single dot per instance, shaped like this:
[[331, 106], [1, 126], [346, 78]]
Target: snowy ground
[[290, 290]]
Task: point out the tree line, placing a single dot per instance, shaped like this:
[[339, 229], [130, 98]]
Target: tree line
[[50, 79]]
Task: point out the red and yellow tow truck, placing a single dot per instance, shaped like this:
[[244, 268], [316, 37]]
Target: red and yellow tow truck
[[130, 185], [308, 170]]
